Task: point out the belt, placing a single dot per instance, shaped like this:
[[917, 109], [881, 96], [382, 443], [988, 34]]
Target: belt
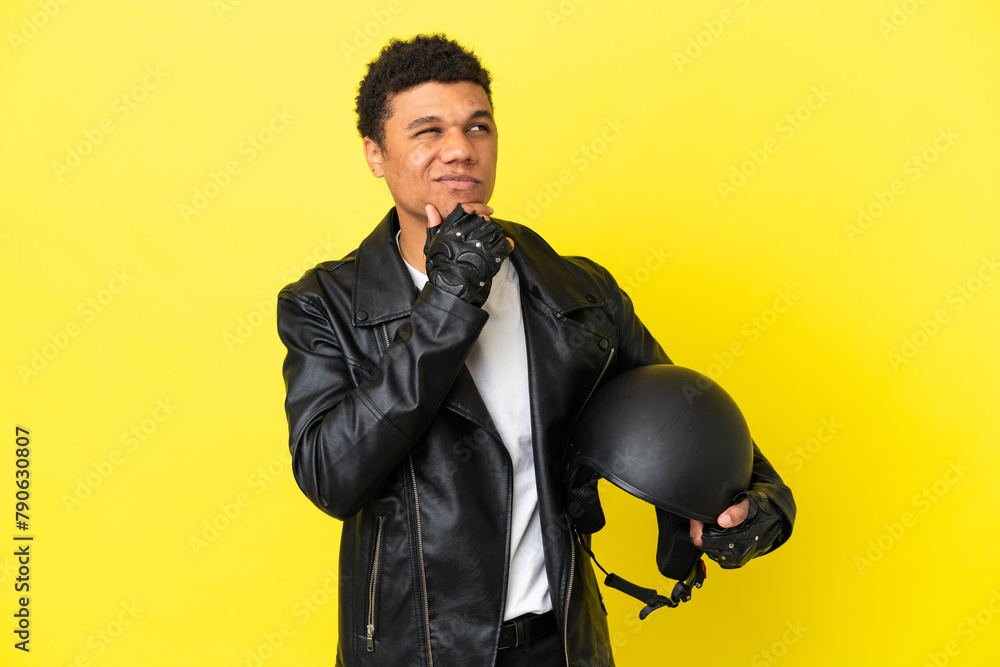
[[523, 629]]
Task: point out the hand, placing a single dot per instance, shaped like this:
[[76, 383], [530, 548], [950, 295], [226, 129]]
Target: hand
[[464, 251], [733, 516], [434, 216], [747, 530]]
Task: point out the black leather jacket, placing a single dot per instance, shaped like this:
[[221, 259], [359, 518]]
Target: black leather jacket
[[389, 434]]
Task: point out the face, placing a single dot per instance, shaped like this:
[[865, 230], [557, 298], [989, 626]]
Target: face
[[440, 148]]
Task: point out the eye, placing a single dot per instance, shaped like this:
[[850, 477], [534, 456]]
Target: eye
[[429, 129], [482, 126]]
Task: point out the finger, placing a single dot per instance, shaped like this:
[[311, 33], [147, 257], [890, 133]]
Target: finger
[[509, 239], [481, 210], [433, 217], [696, 529], [735, 515]]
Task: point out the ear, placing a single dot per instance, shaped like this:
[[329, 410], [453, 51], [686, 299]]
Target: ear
[[373, 155]]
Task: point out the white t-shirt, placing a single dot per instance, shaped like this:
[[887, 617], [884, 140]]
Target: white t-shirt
[[498, 363]]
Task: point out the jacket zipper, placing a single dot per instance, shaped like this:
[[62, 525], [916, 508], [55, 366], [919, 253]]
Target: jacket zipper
[[600, 377], [572, 542], [572, 568], [385, 332], [373, 585], [420, 559]]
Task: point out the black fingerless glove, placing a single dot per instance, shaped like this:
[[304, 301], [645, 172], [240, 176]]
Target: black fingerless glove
[[734, 547], [463, 254]]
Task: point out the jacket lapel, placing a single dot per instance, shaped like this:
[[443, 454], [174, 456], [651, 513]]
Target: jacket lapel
[[384, 294], [567, 352], [563, 352]]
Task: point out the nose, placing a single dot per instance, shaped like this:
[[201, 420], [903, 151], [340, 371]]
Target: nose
[[457, 147]]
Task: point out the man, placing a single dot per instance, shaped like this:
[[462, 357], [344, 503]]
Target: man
[[433, 376]]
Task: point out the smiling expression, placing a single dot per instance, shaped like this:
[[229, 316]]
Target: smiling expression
[[440, 148]]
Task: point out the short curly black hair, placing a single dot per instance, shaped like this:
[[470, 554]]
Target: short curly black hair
[[403, 64]]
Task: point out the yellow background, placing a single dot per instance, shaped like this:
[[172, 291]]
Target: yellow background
[[893, 459]]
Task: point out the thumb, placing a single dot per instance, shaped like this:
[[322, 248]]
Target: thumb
[[433, 216]]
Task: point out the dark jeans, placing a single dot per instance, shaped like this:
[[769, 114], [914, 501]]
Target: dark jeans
[[545, 651]]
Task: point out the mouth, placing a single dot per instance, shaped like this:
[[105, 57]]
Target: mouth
[[458, 181]]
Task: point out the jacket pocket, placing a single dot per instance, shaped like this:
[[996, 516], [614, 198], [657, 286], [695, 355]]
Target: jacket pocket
[[373, 585]]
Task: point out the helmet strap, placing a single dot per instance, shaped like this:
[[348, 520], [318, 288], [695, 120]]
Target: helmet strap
[[653, 600]]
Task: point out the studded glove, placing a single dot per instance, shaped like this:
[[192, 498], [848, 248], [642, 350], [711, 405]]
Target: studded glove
[[734, 547], [463, 254]]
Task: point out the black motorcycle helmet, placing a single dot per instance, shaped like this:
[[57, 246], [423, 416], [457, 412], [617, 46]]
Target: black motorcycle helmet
[[673, 438]]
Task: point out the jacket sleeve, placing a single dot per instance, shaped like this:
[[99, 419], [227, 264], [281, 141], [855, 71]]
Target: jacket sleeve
[[345, 439], [766, 480], [638, 348]]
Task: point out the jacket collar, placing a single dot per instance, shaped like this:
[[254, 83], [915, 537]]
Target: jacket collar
[[383, 289]]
